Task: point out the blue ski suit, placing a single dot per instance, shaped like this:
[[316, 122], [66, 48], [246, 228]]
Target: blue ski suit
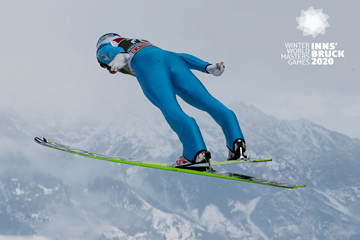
[[162, 75]]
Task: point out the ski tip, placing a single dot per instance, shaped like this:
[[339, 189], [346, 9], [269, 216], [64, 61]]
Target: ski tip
[[40, 139], [300, 186]]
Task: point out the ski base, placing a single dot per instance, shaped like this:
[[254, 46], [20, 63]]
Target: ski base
[[198, 170]]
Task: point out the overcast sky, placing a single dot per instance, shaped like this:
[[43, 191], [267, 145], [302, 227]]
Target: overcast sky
[[49, 70]]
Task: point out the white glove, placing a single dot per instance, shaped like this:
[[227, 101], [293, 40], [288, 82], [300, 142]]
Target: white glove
[[216, 69], [119, 61]]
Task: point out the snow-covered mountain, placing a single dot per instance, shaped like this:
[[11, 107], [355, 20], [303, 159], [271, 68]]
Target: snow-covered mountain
[[56, 195]]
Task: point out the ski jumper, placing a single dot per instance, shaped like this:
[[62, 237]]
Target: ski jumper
[[162, 75]]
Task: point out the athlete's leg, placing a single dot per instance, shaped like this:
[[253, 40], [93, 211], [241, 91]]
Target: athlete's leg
[[188, 87], [153, 71]]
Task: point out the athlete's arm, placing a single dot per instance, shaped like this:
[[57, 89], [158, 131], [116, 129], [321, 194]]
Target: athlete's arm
[[194, 62]]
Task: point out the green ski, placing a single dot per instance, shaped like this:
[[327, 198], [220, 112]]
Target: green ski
[[199, 170], [213, 163]]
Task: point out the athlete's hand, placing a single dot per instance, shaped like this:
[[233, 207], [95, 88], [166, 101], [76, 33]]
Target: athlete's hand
[[216, 69], [119, 62]]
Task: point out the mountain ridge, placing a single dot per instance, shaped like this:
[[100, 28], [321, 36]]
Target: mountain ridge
[[160, 204]]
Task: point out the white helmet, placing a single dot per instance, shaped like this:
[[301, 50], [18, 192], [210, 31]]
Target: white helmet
[[103, 38]]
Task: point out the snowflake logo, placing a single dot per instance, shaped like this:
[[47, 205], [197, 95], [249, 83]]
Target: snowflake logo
[[312, 22]]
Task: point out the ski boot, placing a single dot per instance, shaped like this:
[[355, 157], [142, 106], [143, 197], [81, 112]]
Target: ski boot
[[239, 150], [202, 157]]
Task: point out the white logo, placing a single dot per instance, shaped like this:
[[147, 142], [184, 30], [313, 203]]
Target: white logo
[[312, 22]]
